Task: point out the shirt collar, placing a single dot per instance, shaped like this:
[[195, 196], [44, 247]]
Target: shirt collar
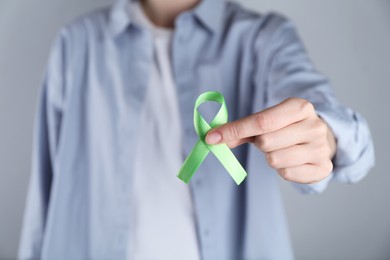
[[119, 17], [209, 13]]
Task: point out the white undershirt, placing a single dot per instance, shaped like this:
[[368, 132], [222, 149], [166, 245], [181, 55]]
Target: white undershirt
[[163, 218]]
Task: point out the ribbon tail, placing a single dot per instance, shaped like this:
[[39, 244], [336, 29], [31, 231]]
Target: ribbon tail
[[229, 161], [193, 161]]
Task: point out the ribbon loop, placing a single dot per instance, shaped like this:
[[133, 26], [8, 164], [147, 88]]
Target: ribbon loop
[[201, 148], [201, 126]]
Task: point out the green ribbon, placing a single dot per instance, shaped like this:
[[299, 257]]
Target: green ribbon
[[201, 149]]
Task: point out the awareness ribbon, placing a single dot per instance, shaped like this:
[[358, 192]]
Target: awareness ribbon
[[201, 148]]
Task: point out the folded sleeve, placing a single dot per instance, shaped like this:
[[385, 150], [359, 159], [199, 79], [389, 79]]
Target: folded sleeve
[[286, 71], [46, 134]]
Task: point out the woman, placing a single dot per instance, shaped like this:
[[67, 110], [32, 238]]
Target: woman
[[115, 124]]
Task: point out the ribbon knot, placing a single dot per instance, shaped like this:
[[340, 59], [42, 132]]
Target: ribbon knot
[[202, 149]]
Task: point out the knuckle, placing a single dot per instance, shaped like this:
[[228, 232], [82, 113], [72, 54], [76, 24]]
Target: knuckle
[[327, 151], [263, 142], [320, 128], [323, 151], [307, 106], [325, 171], [296, 100], [232, 133], [262, 122], [259, 142], [272, 160], [286, 174], [328, 167], [303, 105]]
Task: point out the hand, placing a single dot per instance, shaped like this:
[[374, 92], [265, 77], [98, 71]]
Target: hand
[[296, 142]]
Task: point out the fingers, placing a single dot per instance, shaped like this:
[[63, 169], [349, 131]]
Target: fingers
[[307, 162], [297, 143], [274, 118], [296, 155], [307, 173], [306, 131]]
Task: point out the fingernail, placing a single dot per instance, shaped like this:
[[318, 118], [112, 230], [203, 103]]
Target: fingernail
[[213, 138]]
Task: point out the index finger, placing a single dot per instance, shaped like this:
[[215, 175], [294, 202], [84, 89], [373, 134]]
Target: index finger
[[269, 120]]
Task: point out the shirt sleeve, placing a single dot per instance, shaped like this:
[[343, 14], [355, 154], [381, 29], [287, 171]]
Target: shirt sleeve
[[46, 135], [288, 72]]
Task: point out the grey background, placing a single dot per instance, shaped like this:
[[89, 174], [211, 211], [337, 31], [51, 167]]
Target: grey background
[[349, 41]]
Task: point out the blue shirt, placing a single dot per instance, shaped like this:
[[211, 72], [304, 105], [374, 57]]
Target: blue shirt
[[78, 204]]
